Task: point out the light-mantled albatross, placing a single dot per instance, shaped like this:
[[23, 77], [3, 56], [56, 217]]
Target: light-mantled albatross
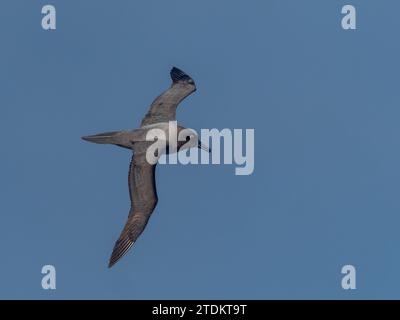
[[141, 178]]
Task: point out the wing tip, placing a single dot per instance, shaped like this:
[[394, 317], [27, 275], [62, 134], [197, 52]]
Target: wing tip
[[178, 75], [121, 247], [113, 260], [111, 264]]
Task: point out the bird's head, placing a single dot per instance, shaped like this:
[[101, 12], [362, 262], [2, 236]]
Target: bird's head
[[188, 138], [183, 80]]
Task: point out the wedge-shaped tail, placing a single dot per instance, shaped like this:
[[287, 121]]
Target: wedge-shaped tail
[[104, 138], [123, 139]]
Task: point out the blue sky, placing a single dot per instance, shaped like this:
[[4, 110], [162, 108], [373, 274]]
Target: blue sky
[[324, 104]]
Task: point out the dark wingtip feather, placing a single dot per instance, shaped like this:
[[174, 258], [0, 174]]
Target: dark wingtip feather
[[121, 247], [178, 75]]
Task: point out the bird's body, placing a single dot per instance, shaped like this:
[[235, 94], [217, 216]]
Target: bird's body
[[141, 178]]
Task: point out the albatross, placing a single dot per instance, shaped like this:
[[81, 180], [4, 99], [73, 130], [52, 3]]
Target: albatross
[[141, 177]]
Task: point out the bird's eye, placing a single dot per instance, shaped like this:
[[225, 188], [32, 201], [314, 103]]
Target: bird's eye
[[191, 81]]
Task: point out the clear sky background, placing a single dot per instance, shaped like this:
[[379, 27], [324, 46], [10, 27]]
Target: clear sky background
[[325, 107]]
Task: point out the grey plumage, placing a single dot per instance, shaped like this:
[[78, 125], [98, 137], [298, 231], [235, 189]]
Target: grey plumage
[[141, 178], [163, 108], [143, 196]]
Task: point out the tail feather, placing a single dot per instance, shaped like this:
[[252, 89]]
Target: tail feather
[[104, 138], [123, 139]]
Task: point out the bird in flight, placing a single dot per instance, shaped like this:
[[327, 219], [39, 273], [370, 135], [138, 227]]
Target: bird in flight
[[141, 177]]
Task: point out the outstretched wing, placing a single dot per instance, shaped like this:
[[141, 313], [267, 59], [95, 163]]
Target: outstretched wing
[[143, 194], [163, 108]]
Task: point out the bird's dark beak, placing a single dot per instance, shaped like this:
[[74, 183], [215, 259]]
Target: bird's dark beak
[[203, 147]]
